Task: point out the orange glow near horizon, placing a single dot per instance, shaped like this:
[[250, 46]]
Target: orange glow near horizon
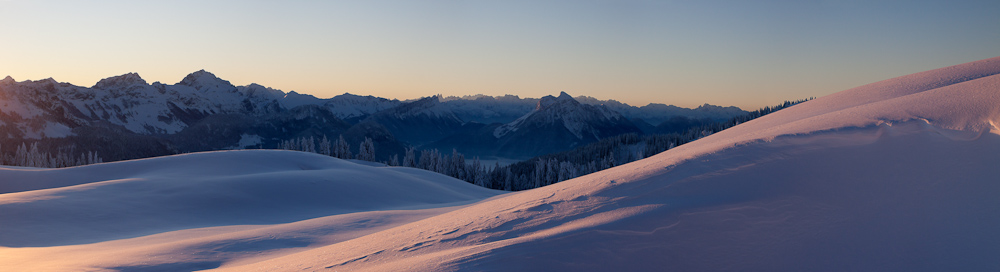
[[681, 53]]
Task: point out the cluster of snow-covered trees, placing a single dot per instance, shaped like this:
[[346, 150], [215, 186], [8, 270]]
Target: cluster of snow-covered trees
[[337, 149], [453, 165], [32, 156], [537, 172]]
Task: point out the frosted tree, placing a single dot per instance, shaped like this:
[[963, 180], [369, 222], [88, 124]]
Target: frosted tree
[[341, 149], [456, 167], [567, 171], [366, 152], [476, 173], [308, 144], [410, 160], [539, 177], [324, 146], [394, 160]]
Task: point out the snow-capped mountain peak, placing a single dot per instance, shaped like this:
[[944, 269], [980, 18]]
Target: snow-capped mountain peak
[[579, 119], [8, 80], [116, 82], [203, 80], [562, 99]]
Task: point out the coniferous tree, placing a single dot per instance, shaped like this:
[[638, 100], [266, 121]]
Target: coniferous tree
[[366, 151], [341, 149], [324, 146], [393, 160], [409, 160]]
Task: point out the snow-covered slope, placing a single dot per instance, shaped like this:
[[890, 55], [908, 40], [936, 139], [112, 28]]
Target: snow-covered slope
[[898, 175], [199, 210]]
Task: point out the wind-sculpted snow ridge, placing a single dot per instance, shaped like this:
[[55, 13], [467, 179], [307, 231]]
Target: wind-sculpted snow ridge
[[898, 175], [196, 211]]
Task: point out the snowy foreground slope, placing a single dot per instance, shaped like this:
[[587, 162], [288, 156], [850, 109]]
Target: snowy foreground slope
[[899, 175], [198, 211]]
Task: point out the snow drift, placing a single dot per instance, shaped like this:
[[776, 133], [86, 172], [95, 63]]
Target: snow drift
[[898, 175]]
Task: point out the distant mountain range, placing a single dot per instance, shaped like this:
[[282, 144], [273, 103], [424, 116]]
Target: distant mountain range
[[125, 117]]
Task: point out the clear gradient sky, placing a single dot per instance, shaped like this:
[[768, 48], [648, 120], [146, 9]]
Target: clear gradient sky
[[743, 53]]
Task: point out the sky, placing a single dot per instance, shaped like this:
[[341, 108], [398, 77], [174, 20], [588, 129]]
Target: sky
[[744, 53]]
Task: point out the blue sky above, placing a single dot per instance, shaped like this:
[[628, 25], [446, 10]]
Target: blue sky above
[[743, 53]]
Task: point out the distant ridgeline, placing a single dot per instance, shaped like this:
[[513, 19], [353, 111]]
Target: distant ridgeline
[[539, 171], [45, 123], [49, 124]]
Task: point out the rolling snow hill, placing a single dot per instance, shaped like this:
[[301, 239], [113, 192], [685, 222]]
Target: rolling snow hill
[[215, 206]]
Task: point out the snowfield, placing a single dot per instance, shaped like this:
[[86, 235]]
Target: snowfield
[[196, 211], [898, 175]]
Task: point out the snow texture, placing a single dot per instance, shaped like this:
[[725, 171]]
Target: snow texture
[[221, 206]]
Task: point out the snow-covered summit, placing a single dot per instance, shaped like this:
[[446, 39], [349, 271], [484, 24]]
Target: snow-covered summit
[[583, 121], [203, 80], [122, 81], [8, 80], [563, 98]]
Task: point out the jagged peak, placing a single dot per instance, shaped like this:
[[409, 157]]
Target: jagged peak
[[124, 80], [44, 80], [564, 96], [430, 100], [202, 80], [563, 99], [8, 80]]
